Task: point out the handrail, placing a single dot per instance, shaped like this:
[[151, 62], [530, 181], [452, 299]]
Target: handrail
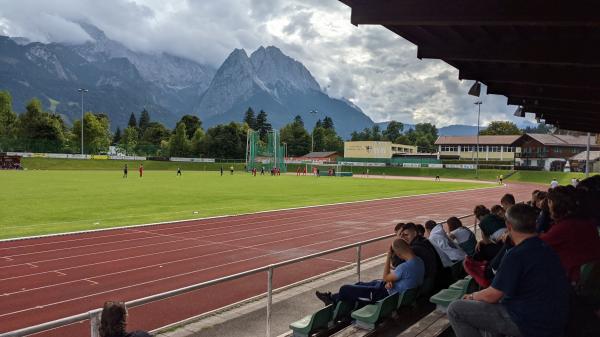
[[94, 314]]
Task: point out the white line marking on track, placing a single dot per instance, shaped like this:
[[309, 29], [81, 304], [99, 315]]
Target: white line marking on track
[[59, 273], [175, 276], [31, 265], [241, 214], [92, 282]]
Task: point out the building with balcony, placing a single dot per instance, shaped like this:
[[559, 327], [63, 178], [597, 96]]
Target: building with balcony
[[496, 148], [550, 152]]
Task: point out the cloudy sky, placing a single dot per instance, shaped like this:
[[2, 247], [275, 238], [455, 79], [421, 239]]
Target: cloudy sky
[[371, 66]]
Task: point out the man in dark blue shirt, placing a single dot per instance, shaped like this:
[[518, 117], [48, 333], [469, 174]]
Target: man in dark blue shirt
[[529, 296]]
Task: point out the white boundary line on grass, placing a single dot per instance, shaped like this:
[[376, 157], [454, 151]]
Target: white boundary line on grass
[[241, 214]]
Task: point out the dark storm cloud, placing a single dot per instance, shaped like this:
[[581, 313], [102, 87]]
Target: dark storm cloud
[[371, 66]]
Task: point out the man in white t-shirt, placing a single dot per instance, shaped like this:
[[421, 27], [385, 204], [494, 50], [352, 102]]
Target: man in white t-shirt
[[554, 183]]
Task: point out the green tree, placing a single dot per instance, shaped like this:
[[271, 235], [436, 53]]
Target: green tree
[[262, 125], [501, 128], [328, 123], [8, 118], [297, 138], [192, 123], [144, 120], [155, 133], [376, 133], [197, 143], [179, 145], [393, 131], [96, 133], [250, 118], [129, 140], [226, 141], [117, 136], [540, 128], [43, 131], [132, 121], [327, 140], [298, 119]]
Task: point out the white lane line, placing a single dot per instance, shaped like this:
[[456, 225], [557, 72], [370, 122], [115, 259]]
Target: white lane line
[[193, 247], [169, 277], [198, 257], [286, 224], [410, 203], [59, 273], [31, 265], [235, 215], [90, 281]]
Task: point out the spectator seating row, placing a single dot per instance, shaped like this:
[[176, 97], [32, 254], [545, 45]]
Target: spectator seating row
[[335, 317], [455, 292]]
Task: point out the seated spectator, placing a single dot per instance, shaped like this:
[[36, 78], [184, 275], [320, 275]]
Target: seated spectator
[[589, 197], [507, 200], [498, 211], [573, 237], [543, 221], [445, 247], [529, 295], [434, 267], [407, 275], [533, 196], [420, 230], [461, 234], [492, 229], [113, 321]]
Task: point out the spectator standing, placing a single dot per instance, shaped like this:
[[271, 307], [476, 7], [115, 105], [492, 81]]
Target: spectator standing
[[554, 183], [529, 296], [125, 171], [141, 169]]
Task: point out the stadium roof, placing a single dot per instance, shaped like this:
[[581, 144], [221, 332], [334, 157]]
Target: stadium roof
[[542, 55], [472, 140], [594, 155], [319, 154], [549, 139]]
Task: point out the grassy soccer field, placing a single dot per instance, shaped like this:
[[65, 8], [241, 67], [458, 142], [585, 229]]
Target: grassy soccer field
[[42, 202]]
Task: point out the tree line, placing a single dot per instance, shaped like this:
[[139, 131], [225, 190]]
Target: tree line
[[36, 130], [423, 135]]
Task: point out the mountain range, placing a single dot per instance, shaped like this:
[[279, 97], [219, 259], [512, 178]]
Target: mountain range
[[121, 81]]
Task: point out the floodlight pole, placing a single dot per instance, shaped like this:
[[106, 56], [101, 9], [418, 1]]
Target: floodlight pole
[[82, 91], [478, 103], [587, 157]]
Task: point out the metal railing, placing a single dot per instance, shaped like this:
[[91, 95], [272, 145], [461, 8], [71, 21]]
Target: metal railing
[[94, 315]]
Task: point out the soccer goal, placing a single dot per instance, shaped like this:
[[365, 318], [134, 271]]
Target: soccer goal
[[266, 154]]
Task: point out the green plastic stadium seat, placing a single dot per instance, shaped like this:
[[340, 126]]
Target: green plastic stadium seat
[[370, 315], [460, 284], [446, 296], [313, 323], [342, 311], [589, 281], [408, 298]]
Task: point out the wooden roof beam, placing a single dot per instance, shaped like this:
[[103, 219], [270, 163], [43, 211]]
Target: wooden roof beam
[[573, 53], [552, 77], [540, 92], [475, 12]]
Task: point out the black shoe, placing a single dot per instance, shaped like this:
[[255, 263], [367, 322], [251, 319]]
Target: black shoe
[[324, 297]]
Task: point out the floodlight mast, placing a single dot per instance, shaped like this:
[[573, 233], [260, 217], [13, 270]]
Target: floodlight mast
[[82, 91], [478, 103]]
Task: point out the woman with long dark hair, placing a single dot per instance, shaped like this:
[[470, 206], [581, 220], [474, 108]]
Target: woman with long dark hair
[[113, 321]]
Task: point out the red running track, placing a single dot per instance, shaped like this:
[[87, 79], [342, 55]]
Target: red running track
[[53, 277]]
